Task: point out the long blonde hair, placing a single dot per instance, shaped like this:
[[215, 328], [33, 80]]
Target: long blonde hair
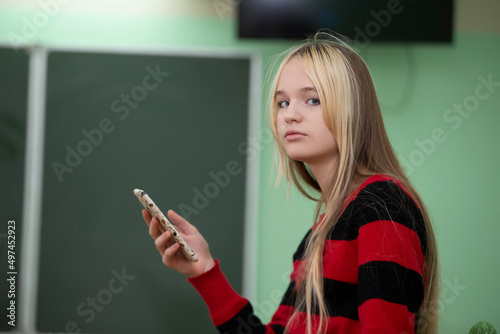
[[352, 113]]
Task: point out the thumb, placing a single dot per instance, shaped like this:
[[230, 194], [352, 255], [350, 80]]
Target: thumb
[[180, 222]]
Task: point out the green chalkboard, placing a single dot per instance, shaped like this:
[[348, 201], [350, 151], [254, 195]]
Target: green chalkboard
[[168, 124], [13, 97]]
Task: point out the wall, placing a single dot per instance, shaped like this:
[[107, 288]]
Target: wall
[[451, 155]]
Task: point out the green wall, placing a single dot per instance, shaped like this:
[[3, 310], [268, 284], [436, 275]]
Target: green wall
[[452, 158]]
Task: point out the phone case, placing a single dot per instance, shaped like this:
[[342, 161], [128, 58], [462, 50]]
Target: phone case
[[148, 203]]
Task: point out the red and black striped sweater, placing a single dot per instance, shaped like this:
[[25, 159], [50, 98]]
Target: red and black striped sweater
[[373, 267]]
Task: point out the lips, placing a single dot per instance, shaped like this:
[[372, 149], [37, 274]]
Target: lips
[[293, 135]]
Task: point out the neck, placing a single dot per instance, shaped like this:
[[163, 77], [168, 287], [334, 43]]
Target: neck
[[324, 172]]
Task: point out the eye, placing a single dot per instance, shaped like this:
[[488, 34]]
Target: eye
[[313, 102], [283, 104]]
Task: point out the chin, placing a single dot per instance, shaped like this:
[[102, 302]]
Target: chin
[[298, 156]]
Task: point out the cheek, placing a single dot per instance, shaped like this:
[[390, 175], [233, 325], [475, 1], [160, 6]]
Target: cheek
[[281, 129], [280, 125], [329, 142], [326, 136]]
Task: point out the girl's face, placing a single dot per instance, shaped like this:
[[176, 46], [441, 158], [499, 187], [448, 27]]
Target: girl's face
[[301, 127]]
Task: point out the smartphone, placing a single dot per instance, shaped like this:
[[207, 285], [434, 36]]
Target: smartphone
[[149, 205]]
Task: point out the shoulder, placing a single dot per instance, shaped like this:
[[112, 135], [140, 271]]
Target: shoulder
[[381, 198], [383, 195], [380, 188]]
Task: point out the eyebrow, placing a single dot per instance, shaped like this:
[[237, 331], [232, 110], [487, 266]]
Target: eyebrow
[[304, 89]]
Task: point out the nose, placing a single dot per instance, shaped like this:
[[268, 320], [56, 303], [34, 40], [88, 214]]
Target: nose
[[292, 113]]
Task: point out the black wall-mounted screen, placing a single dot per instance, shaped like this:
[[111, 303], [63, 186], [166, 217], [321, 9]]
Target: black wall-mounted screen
[[360, 20]]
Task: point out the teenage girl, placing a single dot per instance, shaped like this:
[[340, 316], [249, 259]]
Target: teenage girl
[[369, 262]]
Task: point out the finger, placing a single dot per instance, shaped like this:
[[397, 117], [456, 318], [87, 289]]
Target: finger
[[180, 222], [154, 228], [168, 256], [163, 242], [147, 216]]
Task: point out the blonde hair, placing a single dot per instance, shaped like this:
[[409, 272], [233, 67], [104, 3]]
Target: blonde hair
[[352, 113]]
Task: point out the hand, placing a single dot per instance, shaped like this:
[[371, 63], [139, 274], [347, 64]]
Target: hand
[[169, 248]]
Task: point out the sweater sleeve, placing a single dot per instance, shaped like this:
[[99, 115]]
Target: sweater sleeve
[[230, 312], [391, 254]]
